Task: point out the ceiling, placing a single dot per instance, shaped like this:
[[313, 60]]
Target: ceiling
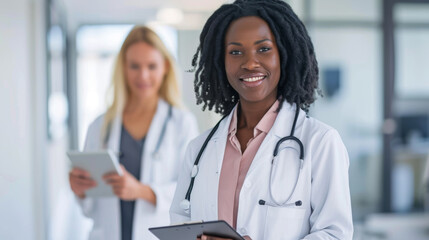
[[79, 12]]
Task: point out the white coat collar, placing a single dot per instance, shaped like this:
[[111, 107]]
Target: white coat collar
[[116, 127], [283, 123], [224, 125], [281, 128]]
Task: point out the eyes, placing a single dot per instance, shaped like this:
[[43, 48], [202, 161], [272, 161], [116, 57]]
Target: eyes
[[236, 52], [151, 66]]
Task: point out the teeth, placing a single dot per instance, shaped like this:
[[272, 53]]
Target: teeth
[[253, 79]]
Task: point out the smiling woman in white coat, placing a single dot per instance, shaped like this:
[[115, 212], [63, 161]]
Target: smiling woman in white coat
[[144, 125], [267, 168]]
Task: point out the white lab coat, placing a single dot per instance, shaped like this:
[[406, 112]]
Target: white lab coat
[[160, 174], [323, 187]]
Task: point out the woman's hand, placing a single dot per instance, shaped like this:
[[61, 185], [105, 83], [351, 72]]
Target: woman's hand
[[127, 187], [80, 181], [206, 237]]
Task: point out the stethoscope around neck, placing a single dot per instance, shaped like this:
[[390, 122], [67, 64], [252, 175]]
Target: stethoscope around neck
[[185, 204]]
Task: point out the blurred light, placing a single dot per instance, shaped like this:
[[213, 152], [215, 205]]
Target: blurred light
[[101, 38], [58, 113], [169, 15]]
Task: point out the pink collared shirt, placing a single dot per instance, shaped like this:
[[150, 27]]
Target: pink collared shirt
[[236, 164]]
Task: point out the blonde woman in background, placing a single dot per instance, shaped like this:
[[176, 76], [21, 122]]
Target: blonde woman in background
[[145, 125]]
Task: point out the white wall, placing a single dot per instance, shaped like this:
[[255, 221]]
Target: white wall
[[20, 104]]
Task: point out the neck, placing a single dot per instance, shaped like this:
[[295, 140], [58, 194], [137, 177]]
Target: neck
[[250, 113], [140, 105]]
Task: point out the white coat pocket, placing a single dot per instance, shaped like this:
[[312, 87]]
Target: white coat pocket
[[284, 223]]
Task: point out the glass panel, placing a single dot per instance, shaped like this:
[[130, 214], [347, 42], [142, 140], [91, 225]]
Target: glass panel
[[350, 77], [408, 13], [412, 57], [411, 141], [366, 10]]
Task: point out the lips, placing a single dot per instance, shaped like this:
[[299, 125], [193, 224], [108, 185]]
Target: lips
[[142, 85], [252, 77], [252, 80]]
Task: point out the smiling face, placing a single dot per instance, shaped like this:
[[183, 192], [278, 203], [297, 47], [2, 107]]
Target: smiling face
[[252, 61], [145, 69]]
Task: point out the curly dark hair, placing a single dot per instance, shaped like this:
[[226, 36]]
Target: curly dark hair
[[299, 71]]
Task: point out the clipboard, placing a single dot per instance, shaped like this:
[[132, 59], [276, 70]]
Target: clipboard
[[97, 163], [190, 231]]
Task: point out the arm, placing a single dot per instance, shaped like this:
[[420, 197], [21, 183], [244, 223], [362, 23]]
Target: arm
[[331, 216]]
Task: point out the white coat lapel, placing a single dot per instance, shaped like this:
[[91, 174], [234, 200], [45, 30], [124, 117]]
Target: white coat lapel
[[113, 144], [281, 128], [215, 153], [151, 140], [283, 124], [220, 138], [115, 134]]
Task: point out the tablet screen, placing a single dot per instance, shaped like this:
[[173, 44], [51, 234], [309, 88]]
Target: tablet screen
[[97, 164]]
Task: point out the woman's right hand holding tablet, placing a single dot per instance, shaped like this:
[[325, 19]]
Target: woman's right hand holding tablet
[[206, 237], [80, 181]]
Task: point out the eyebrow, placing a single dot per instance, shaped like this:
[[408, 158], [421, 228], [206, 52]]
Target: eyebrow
[[255, 43]]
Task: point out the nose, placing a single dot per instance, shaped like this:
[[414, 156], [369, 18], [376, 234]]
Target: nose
[[250, 62], [144, 73]]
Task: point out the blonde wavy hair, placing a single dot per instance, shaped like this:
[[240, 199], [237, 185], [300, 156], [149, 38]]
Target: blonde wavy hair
[[169, 90]]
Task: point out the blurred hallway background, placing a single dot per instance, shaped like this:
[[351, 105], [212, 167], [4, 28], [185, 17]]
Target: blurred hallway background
[[55, 68]]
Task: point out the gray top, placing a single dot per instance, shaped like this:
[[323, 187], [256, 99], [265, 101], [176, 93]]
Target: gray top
[[130, 157]]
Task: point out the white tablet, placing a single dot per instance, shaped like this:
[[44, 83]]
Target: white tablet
[[97, 164]]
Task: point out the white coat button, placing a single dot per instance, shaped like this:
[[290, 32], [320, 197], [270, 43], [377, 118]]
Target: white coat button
[[243, 231], [247, 184]]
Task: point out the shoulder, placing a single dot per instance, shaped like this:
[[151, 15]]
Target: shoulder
[[93, 134], [178, 114], [181, 115], [319, 130], [198, 142], [324, 140], [183, 123], [97, 124]]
